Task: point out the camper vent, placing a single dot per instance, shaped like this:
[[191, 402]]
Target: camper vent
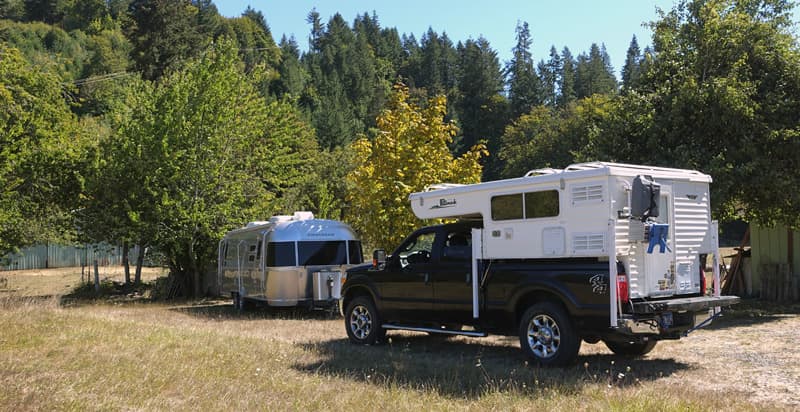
[[587, 194], [588, 242]]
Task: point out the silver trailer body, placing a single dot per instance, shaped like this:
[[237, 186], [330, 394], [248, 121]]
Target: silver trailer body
[[287, 261]]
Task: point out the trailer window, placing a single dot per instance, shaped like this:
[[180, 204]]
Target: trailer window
[[281, 254], [322, 253], [507, 207], [541, 204], [356, 255]]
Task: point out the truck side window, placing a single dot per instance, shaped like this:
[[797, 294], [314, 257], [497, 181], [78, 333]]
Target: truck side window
[[458, 247], [417, 250]]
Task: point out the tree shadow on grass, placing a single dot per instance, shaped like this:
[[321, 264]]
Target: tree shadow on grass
[[219, 310], [469, 368], [753, 312]]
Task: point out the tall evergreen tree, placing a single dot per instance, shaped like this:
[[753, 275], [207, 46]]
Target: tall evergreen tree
[[292, 76], [482, 110], [523, 84], [631, 71], [549, 78], [163, 32], [594, 74], [566, 78]]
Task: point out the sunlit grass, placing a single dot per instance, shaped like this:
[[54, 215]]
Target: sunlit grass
[[151, 356]]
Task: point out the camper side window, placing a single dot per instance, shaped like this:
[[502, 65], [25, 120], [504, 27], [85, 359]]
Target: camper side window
[[322, 253], [281, 254], [541, 204], [507, 207]]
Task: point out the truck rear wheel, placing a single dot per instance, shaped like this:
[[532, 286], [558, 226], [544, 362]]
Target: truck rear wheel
[[631, 348], [362, 321], [547, 336]]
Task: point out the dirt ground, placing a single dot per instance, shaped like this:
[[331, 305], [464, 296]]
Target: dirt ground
[[751, 351]]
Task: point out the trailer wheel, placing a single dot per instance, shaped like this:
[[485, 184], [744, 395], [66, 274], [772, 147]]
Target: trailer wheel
[[547, 336], [362, 321], [630, 348]]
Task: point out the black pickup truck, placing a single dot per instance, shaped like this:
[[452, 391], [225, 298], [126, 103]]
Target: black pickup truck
[[552, 305]]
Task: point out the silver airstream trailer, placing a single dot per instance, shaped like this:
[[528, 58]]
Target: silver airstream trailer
[[287, 261]]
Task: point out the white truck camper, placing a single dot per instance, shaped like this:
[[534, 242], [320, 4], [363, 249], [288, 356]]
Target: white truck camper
[[293, 260], [651, 224]]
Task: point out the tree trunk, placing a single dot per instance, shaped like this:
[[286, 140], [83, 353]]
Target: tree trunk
[[139, 261], [126, 264], [195, 273]]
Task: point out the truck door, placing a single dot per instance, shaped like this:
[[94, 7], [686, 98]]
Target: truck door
[[405, 285], [452, 283]]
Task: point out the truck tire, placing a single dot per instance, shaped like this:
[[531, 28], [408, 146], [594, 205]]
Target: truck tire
[[362, 322], [630, 348], [547, 336]]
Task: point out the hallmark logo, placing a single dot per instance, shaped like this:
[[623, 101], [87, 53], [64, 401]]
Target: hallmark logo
[[444, 203]]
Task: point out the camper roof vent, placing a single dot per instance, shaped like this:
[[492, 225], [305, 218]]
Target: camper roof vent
[[440, 186], [539, 172], [303, 216], [256, 223]]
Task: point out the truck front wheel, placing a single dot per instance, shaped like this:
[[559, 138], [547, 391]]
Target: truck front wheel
[[547, 336], [363, 322], [630, 348]]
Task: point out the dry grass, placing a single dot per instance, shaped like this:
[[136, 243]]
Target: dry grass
[[113, 356], [62, 281]]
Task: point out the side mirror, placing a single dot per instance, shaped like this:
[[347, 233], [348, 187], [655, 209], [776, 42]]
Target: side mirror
[[378, 257]]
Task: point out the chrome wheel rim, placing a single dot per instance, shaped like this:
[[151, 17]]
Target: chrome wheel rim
[[360, 322], [544, 336]]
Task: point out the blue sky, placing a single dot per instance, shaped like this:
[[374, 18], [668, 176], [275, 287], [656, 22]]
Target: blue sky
[[575, 24]]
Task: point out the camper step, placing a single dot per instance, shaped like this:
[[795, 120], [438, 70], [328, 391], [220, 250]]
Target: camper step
[[473, 333]]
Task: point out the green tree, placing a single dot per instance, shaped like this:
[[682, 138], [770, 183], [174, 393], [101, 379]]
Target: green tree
[[523, 84], [203, 153], [550, 137], [41, 155], [548, 78], [482, 111], [566, 78], [631, 71], [410, 152], [163, 33], [722, 95], [594, 74]]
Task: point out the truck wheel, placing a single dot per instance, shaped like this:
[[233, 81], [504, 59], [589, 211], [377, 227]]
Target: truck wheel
[[547, 336], [631, 348], [363, 322]]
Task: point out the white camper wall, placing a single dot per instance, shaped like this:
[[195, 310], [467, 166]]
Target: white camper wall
[[579, 230]]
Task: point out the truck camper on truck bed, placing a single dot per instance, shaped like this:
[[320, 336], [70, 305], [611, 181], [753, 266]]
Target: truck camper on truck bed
[[596, 251], [293, 260]]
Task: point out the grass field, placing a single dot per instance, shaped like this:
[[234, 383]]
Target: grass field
[[135, 354]]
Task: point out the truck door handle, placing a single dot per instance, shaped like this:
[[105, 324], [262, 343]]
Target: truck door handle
[[468, 277], [426, 277]]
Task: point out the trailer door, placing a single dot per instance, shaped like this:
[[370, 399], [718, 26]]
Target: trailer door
[[659, 266]]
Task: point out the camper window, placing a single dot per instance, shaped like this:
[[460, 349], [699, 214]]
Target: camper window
[[322, 253], [281, 254], [507, 207], [541, 204]]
